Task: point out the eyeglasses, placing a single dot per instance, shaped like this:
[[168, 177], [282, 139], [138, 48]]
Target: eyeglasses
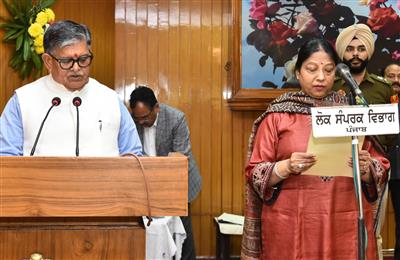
[[145, 118], [67, 63]]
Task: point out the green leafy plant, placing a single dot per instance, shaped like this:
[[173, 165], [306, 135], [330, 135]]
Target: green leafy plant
[[24, 28]]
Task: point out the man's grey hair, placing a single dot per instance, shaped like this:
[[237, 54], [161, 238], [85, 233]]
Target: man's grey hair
[[64, 33]]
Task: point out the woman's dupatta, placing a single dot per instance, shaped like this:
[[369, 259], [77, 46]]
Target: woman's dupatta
[[291, 102]]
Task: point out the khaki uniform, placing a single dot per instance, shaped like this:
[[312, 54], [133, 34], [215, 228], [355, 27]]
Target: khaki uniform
[[376, 90]]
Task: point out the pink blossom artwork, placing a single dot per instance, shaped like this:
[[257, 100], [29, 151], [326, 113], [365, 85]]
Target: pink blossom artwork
[[274, 30]]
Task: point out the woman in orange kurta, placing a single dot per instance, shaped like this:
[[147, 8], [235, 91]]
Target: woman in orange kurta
[[295, 216]]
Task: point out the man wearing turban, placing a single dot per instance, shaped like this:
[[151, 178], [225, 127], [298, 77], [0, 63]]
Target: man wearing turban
[[355, 46]]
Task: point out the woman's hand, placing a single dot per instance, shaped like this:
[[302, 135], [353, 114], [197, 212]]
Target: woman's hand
[[296, 164], [365, 163], [300, 162]]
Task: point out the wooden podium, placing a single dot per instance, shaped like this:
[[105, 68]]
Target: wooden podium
[[85, 207]]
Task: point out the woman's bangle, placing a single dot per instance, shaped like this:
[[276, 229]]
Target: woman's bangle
[[276, 171]]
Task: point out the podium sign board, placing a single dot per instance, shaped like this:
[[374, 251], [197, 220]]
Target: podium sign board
[[355, 120]]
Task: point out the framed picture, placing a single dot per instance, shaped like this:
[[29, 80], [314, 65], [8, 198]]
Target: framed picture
[[268, 33]]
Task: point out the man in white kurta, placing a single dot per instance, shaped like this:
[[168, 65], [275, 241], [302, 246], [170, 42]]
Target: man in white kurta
[[105, 125]]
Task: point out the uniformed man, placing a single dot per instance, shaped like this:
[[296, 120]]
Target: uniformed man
[[355, 46], [392, 73]]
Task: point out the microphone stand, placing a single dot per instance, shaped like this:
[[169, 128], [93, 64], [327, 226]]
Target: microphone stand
[[77, 101], [54, 102], [77, 133], [362, 234]]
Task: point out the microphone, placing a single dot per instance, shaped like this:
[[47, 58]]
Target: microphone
[[56, 101], [77, 101], [343, 71]]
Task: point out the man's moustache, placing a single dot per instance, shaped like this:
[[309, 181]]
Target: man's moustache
[[356, 59]]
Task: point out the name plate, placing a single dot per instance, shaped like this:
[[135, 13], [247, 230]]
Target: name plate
[[355, 120]]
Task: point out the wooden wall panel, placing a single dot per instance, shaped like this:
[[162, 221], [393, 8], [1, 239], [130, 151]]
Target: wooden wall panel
[[182, 48], [388, 229]]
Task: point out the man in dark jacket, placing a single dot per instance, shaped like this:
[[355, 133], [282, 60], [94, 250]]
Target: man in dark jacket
[[163, 129]]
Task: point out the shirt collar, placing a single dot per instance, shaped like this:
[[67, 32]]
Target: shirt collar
[[155, 121], [367, 77], [154, 125]]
